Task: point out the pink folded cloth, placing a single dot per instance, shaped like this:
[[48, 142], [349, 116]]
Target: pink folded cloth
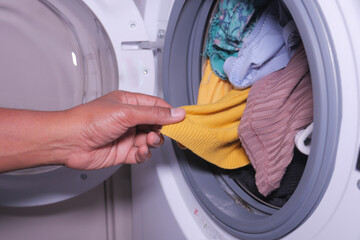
[[278, 106]]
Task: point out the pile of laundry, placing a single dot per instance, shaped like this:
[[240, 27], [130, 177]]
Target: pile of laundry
[[255, 96]]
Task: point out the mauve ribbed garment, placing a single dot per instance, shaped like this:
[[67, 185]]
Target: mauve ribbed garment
[[278, 106]]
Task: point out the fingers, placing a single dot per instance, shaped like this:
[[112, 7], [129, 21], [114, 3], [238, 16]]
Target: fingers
[[148, 100], [140, 152], [143, 154], [152, 115], [152, 139], [138, 155], [139, 99]]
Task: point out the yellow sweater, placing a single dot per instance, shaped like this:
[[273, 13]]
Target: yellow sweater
[[212, 88], [210, 131]]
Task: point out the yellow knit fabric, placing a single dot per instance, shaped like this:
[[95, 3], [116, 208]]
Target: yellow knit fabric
[[210, 131], [212, 88]]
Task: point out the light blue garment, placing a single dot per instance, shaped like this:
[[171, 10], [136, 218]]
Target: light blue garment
[[268, 48], [232, 22]]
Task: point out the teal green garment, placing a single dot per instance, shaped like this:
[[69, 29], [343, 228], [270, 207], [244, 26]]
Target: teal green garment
[[232, 22]]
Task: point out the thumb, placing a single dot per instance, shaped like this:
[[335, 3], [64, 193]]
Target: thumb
[[153, 115]]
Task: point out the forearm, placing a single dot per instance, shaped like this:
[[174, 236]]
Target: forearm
[[32, 138]]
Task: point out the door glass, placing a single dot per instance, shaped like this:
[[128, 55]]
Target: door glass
[[54, 55]]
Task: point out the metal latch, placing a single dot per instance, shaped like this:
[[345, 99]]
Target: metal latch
[[157, 45]]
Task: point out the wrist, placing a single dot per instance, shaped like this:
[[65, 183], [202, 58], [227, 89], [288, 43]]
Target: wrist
[[60, 137], [33, 138]]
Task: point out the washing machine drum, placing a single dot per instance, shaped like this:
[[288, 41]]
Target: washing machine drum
[[328, 188], [54, 55]]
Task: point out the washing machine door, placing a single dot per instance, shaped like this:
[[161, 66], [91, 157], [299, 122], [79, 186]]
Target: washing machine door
[[58, 54], [328, 189]]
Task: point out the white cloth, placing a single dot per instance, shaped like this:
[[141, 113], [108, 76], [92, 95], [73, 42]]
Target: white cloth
[[303, 139]]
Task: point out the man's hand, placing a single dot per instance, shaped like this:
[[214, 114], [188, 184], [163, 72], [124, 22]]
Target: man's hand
[[119, 127]]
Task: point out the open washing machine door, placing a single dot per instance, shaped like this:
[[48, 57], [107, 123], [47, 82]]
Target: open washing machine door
[[58, 54], [204, 204]]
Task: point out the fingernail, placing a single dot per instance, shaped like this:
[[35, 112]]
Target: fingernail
[[157, 140], [177, 112], [147, 152]]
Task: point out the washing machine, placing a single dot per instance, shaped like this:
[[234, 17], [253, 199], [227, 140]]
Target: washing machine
[[155, 47], [177, 195]]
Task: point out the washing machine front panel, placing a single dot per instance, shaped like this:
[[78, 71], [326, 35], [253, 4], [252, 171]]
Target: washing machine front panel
[[332, 161], [126, 29], [335, 217]]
